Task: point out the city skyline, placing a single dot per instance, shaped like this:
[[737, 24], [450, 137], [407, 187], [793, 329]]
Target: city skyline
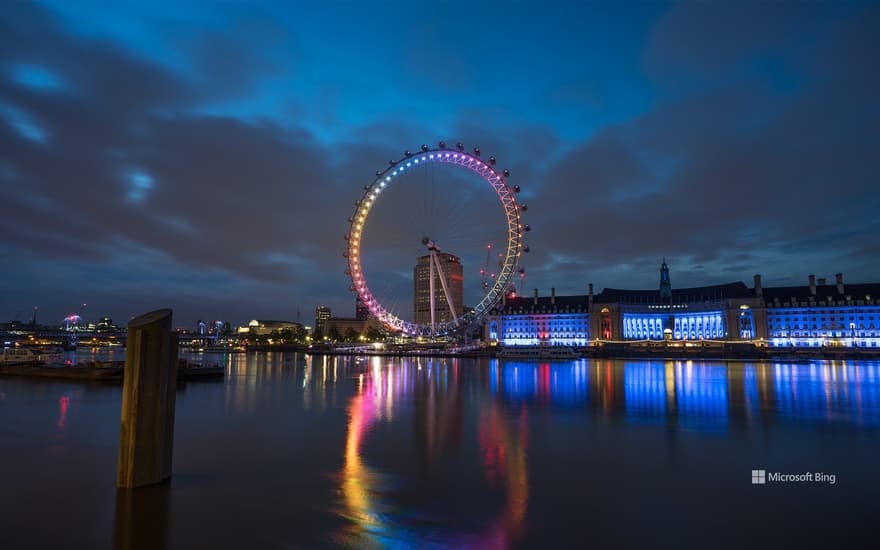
[[216, 175]]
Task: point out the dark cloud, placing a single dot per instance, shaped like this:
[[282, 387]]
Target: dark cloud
[[135, 198], [234, 61], [142, 187], [732, 176], [701, 43], [216, 193]]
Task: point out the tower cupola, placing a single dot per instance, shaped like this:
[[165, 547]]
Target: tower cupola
[[665, 284]]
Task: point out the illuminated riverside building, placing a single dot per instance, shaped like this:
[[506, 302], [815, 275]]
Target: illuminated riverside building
[[263, 327], [562, 321], [812, 315], [819, 314]]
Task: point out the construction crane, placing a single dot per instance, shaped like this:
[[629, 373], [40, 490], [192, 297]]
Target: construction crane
[[484, 271]]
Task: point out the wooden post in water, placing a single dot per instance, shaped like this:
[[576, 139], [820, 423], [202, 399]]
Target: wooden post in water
[[141, 520], [150, 386]]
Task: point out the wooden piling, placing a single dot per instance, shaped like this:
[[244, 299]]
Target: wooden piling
[[146, 435]]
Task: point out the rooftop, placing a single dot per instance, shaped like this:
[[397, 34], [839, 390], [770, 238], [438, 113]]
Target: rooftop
[[679, 295], [803, 293]]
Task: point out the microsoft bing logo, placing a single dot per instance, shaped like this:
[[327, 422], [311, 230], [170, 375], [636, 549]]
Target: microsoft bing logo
[[759, 477]]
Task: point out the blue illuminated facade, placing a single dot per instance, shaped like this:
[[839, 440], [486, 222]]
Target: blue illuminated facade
[[708, 324], [821, 315], [815, 327], [719, 312], [549, 321], [554, 329], [683, 326], [813, 315], [644, 327]]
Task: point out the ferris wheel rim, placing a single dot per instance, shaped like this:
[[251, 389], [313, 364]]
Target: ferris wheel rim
[[383, 179]]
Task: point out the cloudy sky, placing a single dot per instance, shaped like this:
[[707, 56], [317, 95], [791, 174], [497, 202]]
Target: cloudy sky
[[206, 156]]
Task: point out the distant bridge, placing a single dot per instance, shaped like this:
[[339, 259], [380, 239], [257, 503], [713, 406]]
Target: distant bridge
[[74, 336]]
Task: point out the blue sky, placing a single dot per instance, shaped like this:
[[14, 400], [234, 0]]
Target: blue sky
[[205, 156]]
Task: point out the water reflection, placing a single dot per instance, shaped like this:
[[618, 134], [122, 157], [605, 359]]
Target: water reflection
[[431, 393], [438, 415], [701, 395], [358, 482], [503, 447], [698, 395], [438, 396], [141, 518], [379, 388], [835, 390], [315, 451], [557, 383], [63, 402]]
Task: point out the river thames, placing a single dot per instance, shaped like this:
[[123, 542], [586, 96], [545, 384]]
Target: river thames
[[296, 451]]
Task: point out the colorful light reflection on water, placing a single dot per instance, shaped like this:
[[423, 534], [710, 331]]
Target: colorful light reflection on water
[[701, 395], [315, 451], [692, 396]]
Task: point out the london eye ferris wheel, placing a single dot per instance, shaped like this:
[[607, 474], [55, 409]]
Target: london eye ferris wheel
[[435, 227]]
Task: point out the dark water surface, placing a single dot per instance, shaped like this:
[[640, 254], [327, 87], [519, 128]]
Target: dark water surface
[[291, 451]]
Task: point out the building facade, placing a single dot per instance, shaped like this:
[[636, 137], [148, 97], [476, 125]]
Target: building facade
[[322, 313], [344, 327], [812, 315], [263, 327], [536, 321], [820, 314], [453, 274], [718, 312]]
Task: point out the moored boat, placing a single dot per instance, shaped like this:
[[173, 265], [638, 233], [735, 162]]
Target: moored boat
[[70, 372], [187, 370], [30, 356], [538, 352]]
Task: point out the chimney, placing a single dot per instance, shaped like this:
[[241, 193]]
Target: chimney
[[553, 296], [839, 282], [590, 295], [812, 284], [536, 296], [759, 292]]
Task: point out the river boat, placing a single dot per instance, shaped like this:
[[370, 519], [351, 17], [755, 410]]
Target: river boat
[[30, 356], [189, 371], [544, 353]]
